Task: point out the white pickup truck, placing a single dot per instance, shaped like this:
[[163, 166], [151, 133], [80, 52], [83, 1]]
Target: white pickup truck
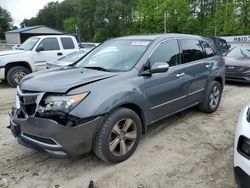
[[33, 55]]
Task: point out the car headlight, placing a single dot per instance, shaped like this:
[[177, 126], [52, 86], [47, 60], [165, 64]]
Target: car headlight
[[62, 103]]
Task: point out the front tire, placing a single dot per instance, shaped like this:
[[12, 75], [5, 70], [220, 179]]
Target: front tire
[[119, 136], [212, 99], [16, 74]]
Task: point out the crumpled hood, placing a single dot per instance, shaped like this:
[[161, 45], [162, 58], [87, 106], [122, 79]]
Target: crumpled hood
[[60, 80], [11, 52], [58, 63]]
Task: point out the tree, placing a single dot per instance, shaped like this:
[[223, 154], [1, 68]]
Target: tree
[[69, 25], [5, 22], [99, 20]]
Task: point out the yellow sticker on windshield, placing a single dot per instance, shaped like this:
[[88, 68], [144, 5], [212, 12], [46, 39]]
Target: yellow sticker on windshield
[[139, 43]]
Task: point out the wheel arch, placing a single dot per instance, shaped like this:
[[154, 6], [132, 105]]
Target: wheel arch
[[8, 66], [220, 80], [137, 109]]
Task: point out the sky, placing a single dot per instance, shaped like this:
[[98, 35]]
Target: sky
[[21, 9]]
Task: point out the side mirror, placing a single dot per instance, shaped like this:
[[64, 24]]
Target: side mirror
[[228, 46], [39, 48], [159, 67]]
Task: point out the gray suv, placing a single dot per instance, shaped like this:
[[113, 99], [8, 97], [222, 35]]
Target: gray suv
[[106, 100]]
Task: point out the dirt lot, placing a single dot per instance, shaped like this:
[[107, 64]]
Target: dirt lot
[[190, 149]]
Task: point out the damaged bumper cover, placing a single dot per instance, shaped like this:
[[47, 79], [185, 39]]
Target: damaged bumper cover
[[49, 136]]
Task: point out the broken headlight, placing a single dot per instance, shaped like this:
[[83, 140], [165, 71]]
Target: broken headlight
[[62, 103]]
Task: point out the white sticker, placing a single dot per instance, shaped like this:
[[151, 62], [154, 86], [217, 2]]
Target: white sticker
[[139, 43]]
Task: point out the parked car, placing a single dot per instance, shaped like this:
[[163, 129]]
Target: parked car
[[87, 46], [107, 100], [237, 63], [66, 60], [242, 149], [33, 55]]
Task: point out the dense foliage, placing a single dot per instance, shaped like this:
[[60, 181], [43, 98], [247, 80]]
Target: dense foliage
[[101, 19], [5, 22]]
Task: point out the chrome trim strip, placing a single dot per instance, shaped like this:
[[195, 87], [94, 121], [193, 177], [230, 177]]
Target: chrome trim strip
[[184, 96], [165, 103], [200, 90], [42, 143]]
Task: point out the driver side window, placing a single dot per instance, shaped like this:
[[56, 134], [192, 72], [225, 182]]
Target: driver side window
[[168, 52], [49, 44]]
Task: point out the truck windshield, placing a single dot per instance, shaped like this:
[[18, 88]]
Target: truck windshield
[[29, 44], [115, 55]]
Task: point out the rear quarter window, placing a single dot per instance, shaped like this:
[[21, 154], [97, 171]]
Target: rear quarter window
[[208, 51], [67, 43], [191, 50]]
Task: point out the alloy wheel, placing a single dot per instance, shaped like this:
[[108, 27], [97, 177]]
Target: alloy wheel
[[214, 97], [122, 137]]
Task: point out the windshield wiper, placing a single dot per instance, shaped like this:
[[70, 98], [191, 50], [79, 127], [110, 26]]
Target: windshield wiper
[[98, 68]]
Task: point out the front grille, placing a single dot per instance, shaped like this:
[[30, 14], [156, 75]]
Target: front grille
[[28, 101], [28, 104], [236, 69], [41, 139]]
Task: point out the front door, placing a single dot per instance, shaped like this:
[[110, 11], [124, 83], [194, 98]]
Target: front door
[[166, 92], [51, 51]]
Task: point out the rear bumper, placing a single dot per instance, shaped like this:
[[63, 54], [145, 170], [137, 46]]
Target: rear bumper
[[49, 136], [241, 177]]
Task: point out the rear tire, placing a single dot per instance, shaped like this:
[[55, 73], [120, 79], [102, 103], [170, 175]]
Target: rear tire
[[16, 74], [119, 136], [212, 99]]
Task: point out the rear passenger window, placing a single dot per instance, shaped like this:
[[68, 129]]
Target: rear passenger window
[[209, 52], [167, 52], [49, 44], [191, 50], [67, 43]]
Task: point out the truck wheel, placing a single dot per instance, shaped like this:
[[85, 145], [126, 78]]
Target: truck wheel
[[118, 137], [15, 75], [212, 99]]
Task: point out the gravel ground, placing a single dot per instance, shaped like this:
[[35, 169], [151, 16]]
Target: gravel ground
[[190, 149]]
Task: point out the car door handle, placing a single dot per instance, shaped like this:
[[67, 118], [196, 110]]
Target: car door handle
[[180, 75], [208, 66], [59, 53]]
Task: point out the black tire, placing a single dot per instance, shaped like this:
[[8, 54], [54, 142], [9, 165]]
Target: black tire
[[103, 139], [12, 75], [206, 106]]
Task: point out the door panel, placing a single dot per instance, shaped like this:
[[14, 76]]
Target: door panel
[[166, 92], [50, 52], [197, 68]]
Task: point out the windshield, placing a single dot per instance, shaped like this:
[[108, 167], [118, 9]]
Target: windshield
[[29, 44], [73, 57], [116, 55], [240, 53]]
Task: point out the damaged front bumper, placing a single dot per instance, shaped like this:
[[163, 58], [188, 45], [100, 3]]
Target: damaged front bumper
[[49, 136]]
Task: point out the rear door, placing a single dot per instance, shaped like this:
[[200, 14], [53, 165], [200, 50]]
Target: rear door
[[166, 92], [197, 68], [51, 51], [68, 45]]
